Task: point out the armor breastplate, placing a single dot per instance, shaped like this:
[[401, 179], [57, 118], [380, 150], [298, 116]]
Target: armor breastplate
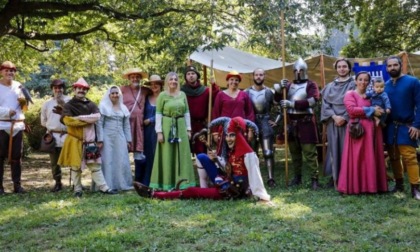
[[259, 101], [297, 92]]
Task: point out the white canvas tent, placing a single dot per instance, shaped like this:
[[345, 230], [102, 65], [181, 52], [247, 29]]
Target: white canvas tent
[[320, 67], [228, 59]]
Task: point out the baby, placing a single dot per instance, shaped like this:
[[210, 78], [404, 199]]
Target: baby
[[379, 98]]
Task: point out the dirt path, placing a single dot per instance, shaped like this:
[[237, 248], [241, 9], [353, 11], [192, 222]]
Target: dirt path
[[36, 174]]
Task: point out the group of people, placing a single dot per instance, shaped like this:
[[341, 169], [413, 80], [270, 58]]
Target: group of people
[[164, 123], [389, 116]]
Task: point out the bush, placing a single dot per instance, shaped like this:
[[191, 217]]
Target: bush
[[32, 140]]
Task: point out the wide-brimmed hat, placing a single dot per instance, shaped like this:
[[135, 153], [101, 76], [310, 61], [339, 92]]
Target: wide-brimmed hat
[[234, 74], [136, 70], [154, 78], [81, 83]]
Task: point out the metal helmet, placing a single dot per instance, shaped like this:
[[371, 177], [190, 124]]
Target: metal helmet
[[299, 65]]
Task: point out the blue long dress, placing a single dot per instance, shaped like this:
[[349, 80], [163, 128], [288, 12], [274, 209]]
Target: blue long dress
[[150, 139], [115, 132]]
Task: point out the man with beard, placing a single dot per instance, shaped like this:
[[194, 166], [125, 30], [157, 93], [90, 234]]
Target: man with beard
[[263, 100], [302, 96], [134, 97], [80, 150], [335, 117], [240, 177], [198, 103], [51, 121], [403, 125]]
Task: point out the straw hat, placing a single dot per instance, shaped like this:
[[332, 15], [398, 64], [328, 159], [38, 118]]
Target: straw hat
[[81, 83], [136, 70], [154, 78], [234, 74]]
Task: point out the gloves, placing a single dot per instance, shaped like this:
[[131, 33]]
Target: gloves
[[58, 110], [287, 104], [279, 86], [283, 83]]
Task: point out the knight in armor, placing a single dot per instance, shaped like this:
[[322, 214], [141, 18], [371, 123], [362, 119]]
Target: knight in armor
[[302, 96], [262, 99]]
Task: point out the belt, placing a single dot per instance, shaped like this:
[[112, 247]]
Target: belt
[[174, 117], [402, 123]]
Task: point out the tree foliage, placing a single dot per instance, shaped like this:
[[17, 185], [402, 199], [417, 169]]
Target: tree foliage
[[262, 28], [77, 37], [384, 26]]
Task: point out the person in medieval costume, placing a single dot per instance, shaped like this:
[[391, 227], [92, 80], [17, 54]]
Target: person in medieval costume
[[262, 99], [198, 102], [80, 150], [12, 126], [402, 131], [336, 117], [134, 96], [302, 97], [114, 140], [236, 173], [51, 121]]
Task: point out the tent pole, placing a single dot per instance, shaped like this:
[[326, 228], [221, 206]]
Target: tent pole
[[324, 126], [404, 58], [283, 57], [205, 74]]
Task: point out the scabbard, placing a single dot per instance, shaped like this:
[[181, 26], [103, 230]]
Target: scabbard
[[9, 157]]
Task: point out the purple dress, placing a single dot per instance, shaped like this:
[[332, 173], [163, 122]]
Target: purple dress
[[362, 163]]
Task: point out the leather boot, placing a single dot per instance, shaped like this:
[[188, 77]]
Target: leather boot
[[315, 184], [399, 186], [142, 190], [57, 187], [415, 193], [17, 188], [297, 180]]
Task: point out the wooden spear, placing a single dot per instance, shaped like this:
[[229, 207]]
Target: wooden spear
[[209, 140], [283, 57]]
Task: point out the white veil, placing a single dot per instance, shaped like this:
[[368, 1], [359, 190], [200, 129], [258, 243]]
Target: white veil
[[105, 106]]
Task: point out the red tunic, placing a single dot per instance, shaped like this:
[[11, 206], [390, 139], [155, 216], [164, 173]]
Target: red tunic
[[225, 105], [199, 109]]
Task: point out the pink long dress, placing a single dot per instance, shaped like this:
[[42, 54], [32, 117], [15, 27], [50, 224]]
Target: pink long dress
[[362, 164]]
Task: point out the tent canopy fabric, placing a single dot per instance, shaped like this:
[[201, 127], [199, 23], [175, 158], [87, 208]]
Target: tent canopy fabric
[[229, 59]]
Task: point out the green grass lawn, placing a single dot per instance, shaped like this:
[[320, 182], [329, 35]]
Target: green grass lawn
[[302, 220]]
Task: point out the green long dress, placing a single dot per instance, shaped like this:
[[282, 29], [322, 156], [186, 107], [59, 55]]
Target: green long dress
[[172, 160]]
